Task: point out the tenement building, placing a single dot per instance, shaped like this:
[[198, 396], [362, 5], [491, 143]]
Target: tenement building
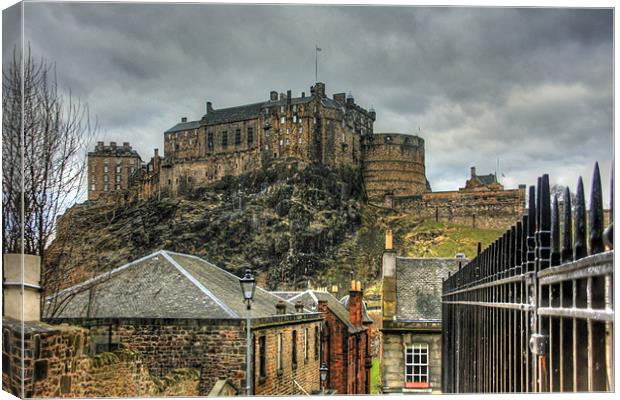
[[180, 312], [110, 168], [411, 351], [345, 344]]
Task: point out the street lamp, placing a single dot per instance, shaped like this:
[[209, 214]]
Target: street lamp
[[248, 285], [324, 370]]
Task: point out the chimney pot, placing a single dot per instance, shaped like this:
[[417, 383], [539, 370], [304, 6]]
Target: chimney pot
[[388, 240], [273, 95], [473, 171], [183, 119]]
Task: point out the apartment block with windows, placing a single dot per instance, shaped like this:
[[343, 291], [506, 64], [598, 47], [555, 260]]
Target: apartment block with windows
[[110, 168], [411, 332]]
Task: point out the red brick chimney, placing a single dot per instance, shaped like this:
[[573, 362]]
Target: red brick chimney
[[322, 306], [355, 303]]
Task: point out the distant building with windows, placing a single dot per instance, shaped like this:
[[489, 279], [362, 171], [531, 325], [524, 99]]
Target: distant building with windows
[[411, 350], [345, 344], [110, 168]]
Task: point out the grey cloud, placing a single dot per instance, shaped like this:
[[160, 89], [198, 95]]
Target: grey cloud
[[530, 86]]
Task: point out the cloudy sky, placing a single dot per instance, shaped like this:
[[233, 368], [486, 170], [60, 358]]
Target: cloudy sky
[[532, 87]]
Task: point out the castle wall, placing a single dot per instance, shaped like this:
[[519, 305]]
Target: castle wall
[[393, 164], [183, 175], [489, 209]]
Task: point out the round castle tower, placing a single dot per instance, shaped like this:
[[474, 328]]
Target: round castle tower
[[393, 165]]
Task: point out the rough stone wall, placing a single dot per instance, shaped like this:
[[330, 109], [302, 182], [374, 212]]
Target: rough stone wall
[[488, 209], [282, 382], [393, 164], [180, 176], [216, 350], [57, 363], [393, 361]]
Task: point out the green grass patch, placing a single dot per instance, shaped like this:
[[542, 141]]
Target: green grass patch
[[375, 377], [437, 239]]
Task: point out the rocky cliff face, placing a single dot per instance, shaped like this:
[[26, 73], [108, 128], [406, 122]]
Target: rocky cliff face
[[291, 222]]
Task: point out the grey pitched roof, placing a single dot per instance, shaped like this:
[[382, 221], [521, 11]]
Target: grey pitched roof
[[237, 113], [419, 284], [487, 179], [162, 285], [365, 317], [184, 126], [310, 299]]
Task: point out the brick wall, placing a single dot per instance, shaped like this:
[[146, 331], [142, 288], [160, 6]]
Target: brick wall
[[282, 382]]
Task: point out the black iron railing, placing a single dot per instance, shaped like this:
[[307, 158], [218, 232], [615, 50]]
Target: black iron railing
[[533, 312]]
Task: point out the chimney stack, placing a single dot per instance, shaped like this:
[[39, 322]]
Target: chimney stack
[[299, 307], [156, 153], [273, 95], [113, 145], [473, 171], [389, 278], [280, 308], [288, 97], [319, 89], [303, 95], [14, 299], [183, 119], [209, 107], [126, 146], [355, 303]]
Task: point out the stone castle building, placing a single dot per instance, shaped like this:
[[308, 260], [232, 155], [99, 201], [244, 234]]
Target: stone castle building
[[312, 128]]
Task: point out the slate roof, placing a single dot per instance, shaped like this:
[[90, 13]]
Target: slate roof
[[184, 126], [487, 179], [163, 285], [311, 298], [419, 285], [237, 113], [365, 317]]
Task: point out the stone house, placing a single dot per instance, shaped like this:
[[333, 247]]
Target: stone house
[[482, 182], [411, 349], [179, 311], [345, 344]]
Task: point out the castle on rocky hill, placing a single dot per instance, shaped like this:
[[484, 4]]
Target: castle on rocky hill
[[310, 128]]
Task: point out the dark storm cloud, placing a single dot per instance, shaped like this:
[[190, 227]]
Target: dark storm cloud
[[532, 87]]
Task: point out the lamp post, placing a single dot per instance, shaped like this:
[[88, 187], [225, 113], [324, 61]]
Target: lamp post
[[324, 370], [248, 285]]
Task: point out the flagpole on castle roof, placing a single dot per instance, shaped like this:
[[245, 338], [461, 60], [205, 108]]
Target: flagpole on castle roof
[[316, 62]]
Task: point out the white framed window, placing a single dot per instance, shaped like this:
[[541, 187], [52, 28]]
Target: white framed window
[[282, 120], [300, 141], [117, 187], [92, 187], [105, 168], [288, 131], [342, 139], [105, 178], [118, 169], [281, 109], [301, 129], [416, 363], [105, 188], [281, 142], [295, 119], [118, 178], [287, 142]]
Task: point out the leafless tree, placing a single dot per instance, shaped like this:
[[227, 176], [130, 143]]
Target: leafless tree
[[44, 139]]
